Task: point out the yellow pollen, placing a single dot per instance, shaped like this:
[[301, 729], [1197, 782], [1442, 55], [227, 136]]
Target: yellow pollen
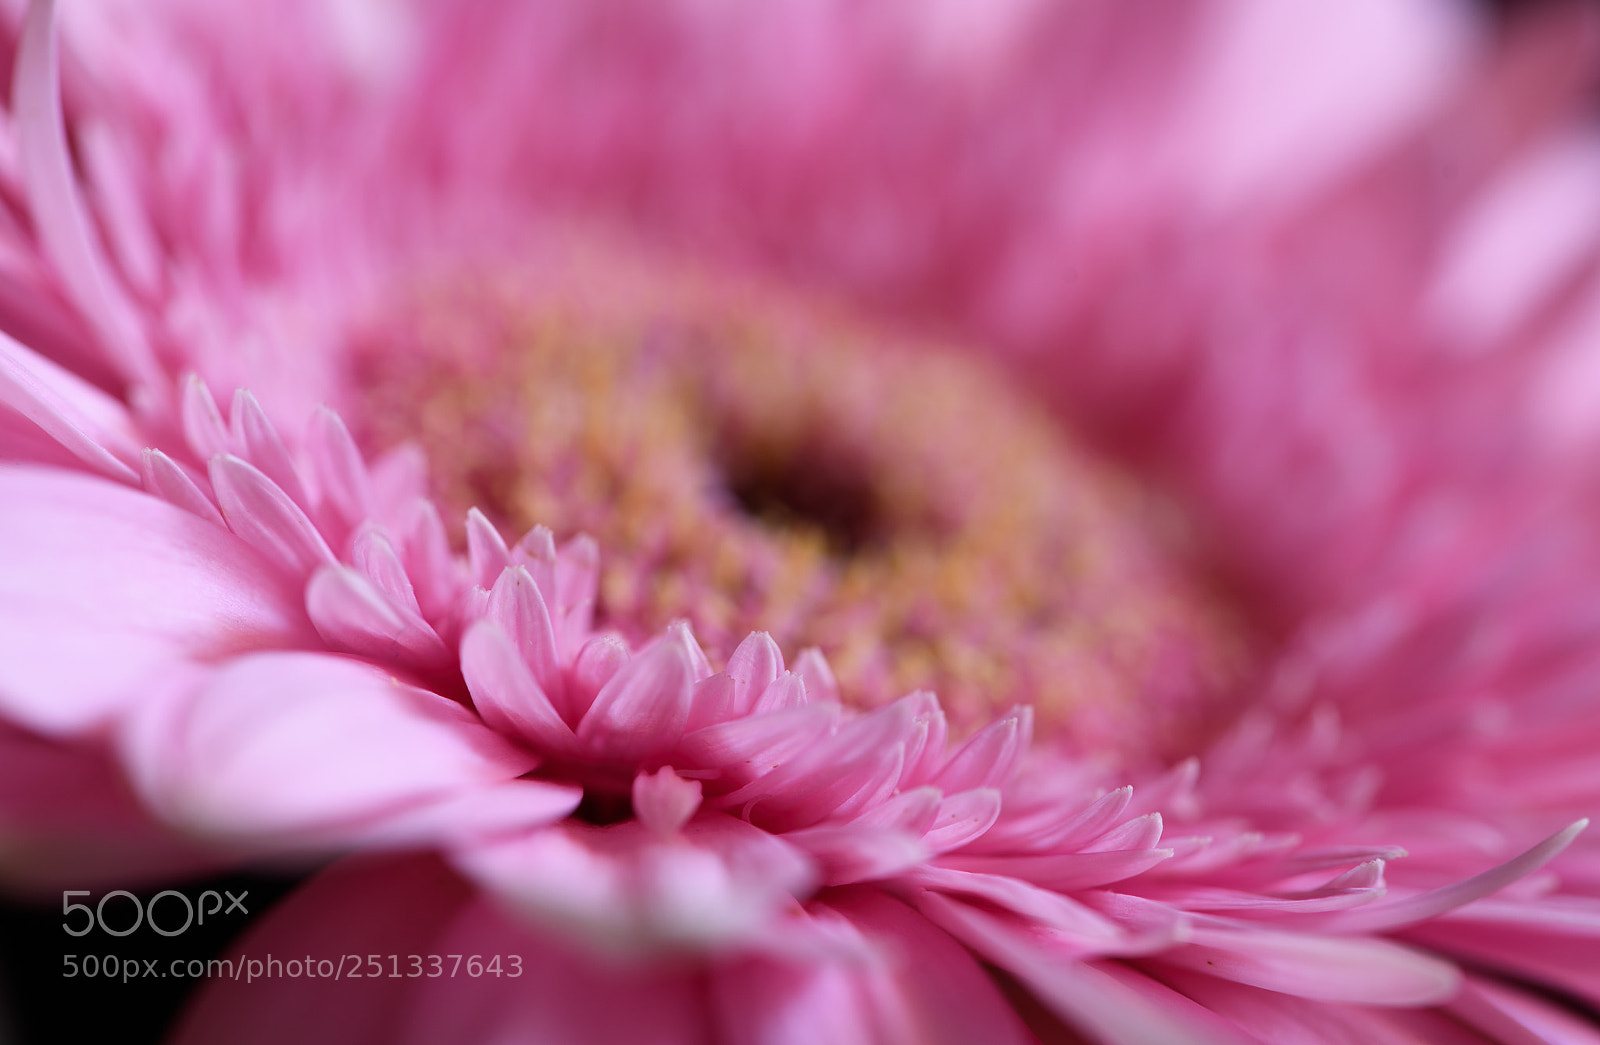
[[749, 462]]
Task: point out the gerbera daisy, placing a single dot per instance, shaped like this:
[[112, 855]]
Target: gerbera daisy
[[633, 699]]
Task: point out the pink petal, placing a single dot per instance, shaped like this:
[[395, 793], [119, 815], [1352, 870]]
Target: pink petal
[[55, 401], [1076, 991], [68, 815], [21, 440], [506, 693], [355, 616], [1267, 1016], [597, 663], [578, 582], [425, 550], [56, 209], [562, 995], [939, 994], [470, 816], [341, 472], [1071, 926], [1368, 875], [1046, 829], [962, 818], [813, 669], [399, 480], [104, 590], [925, 751], [772, 867], [1517, 1018], [786, 691], [555, 879], [349, 908], [261, 513], [852, 771], [623, 889], [910, 983], [746, 747], [536, 555], [308, 746], [766, 1002], [990, 757], [910, 811], [537, 552], [486, 550], [1317, 859], [1152, 926], [1323, 968], [262, 446], [1142, 832], [1199, 1018], [873, 782], [1550, 941], [688, 896], [1172, 792], [112, 170], [374, 555], [1412, 909], [162, 477], [753, 666], [642, 710], [664, 801], [517, 606], [857, 852], [1202, 898], [203, 427], [1064, 871], [699, 665], [712, 702]]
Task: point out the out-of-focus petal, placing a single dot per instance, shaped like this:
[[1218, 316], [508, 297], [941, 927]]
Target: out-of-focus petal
[[348, 911], [67, 814], [299, 745], [105, 590]]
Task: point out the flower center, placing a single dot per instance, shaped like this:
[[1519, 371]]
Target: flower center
[[809, 488], [749, 463]]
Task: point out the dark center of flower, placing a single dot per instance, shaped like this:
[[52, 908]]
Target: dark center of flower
[[808, 489], [603, 808], [749, 463]]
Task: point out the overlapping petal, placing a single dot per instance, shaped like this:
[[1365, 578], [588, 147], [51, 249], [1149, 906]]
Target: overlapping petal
[[275, 641]]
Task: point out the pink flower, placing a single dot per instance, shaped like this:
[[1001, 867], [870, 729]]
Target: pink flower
[[224, 636]]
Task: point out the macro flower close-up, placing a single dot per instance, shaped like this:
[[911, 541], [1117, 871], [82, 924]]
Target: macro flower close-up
[[606, 521]]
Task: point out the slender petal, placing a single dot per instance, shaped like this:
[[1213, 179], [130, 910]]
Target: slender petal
[[53, 194]]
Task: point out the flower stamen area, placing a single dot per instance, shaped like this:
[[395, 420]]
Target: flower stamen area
[[748, 462]]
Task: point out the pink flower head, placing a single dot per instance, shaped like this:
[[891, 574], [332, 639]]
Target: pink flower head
[[1350, 332]]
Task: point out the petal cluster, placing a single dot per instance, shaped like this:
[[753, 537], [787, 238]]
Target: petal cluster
[[227, 638]]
